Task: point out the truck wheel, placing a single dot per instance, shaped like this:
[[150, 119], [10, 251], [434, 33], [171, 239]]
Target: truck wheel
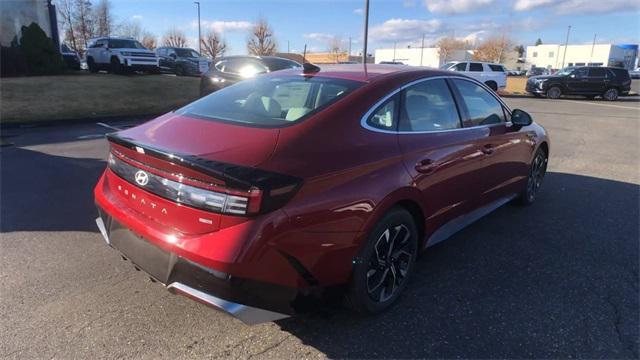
[[116, 67], [554, 92], [611, 94], [492, 85], [179, 70], [92, 65]]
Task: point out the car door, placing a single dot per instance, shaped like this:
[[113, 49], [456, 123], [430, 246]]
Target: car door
[[597, 80], [506, 149], [162, 58], [171, 59], [578, 81], [476, 71], [443, 158], [101, 52]]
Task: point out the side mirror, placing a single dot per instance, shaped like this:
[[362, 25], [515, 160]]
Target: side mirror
[[521, 118]]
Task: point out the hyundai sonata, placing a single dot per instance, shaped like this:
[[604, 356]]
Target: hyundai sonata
[[264, 198]]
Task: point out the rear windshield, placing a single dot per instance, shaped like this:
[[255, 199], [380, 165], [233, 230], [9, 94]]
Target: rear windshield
[[270, 101], [275, 64]]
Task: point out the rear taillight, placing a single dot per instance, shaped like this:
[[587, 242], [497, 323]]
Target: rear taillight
[[209, 197]]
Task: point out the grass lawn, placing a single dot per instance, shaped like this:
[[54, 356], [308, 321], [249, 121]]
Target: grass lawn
[[84, 95]]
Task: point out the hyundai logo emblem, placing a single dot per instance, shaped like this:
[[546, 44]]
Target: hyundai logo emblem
[[142, 178]]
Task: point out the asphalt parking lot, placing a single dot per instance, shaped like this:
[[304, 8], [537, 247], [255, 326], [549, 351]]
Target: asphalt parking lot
[[558, 279]]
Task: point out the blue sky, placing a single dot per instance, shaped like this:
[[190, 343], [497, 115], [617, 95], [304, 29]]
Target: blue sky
[[317, 22]]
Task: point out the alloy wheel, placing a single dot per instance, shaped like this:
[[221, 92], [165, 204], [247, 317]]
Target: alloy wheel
[[611, 94], [389, 263], [554, 93], [538, 170]]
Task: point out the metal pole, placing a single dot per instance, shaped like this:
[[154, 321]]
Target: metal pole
[[422, 50], [592, 46], [394, 50], [288, 47], [199, 33], [566, 43], [366, 30], [349, 49]]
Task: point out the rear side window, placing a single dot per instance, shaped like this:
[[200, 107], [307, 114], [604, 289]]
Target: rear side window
[[384, 117], [496, 68], [475, 67], [461, 67], [269, 101], [482, 107], [597, 72], [429, 106]]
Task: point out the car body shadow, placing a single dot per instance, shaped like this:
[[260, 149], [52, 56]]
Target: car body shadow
[[554, 280]]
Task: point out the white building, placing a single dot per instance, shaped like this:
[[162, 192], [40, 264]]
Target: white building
[[550, 56], [420, 57]]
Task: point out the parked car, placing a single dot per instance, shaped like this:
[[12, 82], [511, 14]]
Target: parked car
[[120, 55], [182, 61], [537, 71], [590, 81], [269, 195], [635, 74], [231, 69], [492, 75], [71, 58]]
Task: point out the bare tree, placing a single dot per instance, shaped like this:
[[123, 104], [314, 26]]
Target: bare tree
[[103, 19], [131, 29], [174, 38], [82, 16], [213, 46], [65, 10], [336, 48], [493, 50], [261, 40], [149, 40], [447, 45]]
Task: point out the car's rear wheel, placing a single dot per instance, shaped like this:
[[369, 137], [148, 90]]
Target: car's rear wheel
[[492, 85], [554, 92], [92, 65], [611, 94], [534, 180], [385, 263]]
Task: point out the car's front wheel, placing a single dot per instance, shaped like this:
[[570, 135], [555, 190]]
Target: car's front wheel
[[534, 180], [554, 92], [115, 66], [385, 262], [611, 94]]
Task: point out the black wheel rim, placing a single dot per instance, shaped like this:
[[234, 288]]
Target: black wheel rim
[[611, 94], [554, 93], [538, 169], [390, 262]]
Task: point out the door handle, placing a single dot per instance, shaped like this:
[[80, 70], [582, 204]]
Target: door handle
[[426, 166], [488, 149]]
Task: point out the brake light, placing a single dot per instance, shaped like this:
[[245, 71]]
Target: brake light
[[226, 201]]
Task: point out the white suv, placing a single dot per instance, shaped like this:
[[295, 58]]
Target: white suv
[[492, 75], [120, 55]]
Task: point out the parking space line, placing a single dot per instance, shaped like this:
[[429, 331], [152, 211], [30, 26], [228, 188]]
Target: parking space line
[[607, 105], [108, 126]]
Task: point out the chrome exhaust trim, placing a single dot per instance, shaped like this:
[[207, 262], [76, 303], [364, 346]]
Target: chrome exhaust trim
[[247, 314]]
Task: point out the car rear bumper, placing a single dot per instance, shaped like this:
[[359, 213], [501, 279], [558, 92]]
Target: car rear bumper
[[250, 301]]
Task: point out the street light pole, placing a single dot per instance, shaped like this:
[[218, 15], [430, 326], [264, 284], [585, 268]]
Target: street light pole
[[366, 30], [199, 34], [566, 43], [592, 46], [422, 50]]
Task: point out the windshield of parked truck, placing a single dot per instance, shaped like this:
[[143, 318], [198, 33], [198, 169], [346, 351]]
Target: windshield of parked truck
[[125, 44]]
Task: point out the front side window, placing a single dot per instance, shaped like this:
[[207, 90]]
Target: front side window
[[385, 115], [581, 72], [187, 53], [482, 107], [460, 67], [270, 101], [429, 106], [477, 67]]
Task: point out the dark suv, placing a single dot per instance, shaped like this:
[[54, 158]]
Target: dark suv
[[589, 81], [231, 69], [182, 61]]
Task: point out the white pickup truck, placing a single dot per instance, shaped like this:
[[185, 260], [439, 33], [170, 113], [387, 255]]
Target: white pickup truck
[[492, 75], [120, 55]]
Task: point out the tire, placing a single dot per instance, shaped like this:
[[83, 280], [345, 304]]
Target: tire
[[534, 181], [377, 282], [611, 94], [554, 92], [492, 85], [115, 66], [179, 71], [92, 65]]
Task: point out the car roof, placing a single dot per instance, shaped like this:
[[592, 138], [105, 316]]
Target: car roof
[[473, 61], [358, 72]]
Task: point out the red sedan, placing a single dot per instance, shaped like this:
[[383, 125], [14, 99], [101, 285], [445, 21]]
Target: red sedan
[[272, 195]]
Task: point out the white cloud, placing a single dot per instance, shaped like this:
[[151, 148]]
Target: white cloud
[[455, 6], [319, 37], [578, 6], [404, 29], [137, 17], [224, 26], [358, 11]]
